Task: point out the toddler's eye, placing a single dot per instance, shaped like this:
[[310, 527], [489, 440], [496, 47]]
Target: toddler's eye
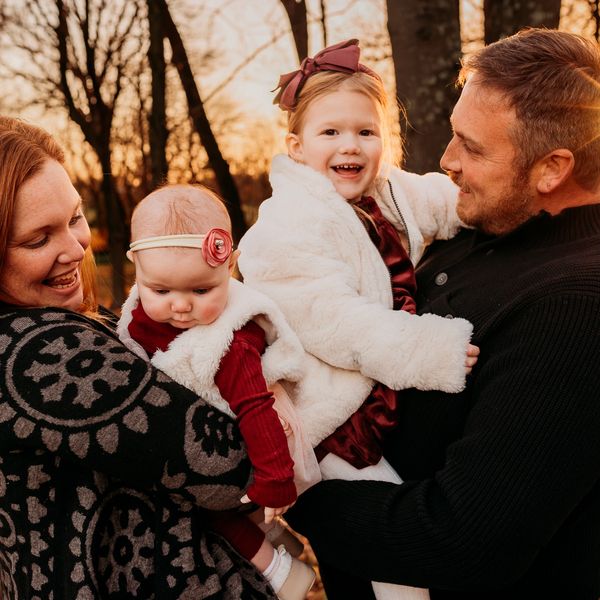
[[330, 132], [201, 291], [367, 132], [75, 219], [161, 292]]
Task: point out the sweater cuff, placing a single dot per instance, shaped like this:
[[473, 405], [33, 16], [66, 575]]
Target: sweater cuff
[[272, 494]]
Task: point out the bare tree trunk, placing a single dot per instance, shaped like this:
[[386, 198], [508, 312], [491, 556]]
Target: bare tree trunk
[[96, 127], [157, 119], [324, 23], [595, 8], [201, 124], [296, 12], [505, 17], [426, 47]]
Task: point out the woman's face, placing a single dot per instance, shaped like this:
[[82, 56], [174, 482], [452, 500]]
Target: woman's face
[[47, 243]]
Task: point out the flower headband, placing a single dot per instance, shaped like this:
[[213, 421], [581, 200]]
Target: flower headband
[[342, 57], [216, 244]]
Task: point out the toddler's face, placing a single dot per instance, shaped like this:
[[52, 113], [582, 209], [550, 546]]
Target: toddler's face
[[176, 286], [341, 137]]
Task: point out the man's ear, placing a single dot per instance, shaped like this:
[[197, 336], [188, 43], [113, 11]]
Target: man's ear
[[294, 146], [553, 170], [233, 260]]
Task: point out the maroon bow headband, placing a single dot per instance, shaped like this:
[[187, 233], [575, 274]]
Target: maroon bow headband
[[342, 57]]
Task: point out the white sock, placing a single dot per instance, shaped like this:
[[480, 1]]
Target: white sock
[[276, 573]]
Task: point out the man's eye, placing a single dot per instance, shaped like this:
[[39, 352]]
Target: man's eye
[[201, 291], [161, 292], [37, 244]]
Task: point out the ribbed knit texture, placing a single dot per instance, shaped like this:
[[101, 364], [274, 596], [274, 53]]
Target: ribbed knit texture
[[241, 383], [501, 499]]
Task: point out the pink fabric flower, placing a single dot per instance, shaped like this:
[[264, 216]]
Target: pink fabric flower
[[216, 247]]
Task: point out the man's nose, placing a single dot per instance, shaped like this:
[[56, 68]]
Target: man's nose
[[449, 160]]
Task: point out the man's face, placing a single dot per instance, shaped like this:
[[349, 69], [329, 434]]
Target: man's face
[[495, 196]]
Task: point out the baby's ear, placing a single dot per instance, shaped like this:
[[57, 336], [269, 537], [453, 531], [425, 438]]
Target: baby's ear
[[233, 260]]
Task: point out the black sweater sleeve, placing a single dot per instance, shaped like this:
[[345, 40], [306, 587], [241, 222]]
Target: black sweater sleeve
[[69, 387], [528, 455]]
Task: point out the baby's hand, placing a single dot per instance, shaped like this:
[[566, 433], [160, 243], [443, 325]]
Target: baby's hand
[[271, 513], [472, 354]]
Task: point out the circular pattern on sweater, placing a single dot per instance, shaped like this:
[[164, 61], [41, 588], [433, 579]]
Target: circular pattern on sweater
[[203, 437], [67, 384], [90, 390], [120, 545]]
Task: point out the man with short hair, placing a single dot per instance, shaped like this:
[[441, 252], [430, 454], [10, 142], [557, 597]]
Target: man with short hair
[[501, 498]]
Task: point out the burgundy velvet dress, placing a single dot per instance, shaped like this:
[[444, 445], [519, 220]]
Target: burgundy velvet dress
[[359, 440]]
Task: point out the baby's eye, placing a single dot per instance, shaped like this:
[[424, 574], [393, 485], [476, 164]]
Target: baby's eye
[[75, 219], [367, 132], [201, 291], [329, 132], [161, 292]]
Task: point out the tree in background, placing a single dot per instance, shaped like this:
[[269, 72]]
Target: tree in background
[[78, 54], [138, 103], [201, 123], [296, 12], [426, 48], [158, 115], [505, 17]]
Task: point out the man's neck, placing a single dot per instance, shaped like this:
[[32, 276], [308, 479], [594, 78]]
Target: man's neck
[[568, 195]]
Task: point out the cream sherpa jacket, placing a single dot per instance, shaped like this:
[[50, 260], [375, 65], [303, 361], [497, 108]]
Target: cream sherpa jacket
[[193, 357], [310, 253]]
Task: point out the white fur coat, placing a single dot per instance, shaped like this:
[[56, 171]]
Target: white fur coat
[[310, 253], [193, 357]]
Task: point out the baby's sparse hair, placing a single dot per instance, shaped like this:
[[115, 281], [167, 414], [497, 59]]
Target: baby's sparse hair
[[179, 209]]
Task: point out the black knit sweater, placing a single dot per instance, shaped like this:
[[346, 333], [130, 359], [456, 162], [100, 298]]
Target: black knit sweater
[[502, 492], [105, 464]]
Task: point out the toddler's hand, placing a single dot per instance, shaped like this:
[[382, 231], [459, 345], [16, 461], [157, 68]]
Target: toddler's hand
[[271, 513], [472, 354]]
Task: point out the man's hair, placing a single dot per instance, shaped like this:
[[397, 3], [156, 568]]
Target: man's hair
[[552, 80], [24, 149]]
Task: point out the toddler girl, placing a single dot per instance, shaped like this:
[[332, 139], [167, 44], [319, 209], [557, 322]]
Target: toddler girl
[[335, 247], [226, 342]]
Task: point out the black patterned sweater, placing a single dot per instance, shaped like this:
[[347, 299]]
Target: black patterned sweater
[[106, 466]]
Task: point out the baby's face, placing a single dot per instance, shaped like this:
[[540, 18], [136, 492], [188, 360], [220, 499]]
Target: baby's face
[[176, 286]]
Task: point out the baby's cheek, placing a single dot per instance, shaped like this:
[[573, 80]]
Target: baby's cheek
[[156, 310], [213, 311]]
